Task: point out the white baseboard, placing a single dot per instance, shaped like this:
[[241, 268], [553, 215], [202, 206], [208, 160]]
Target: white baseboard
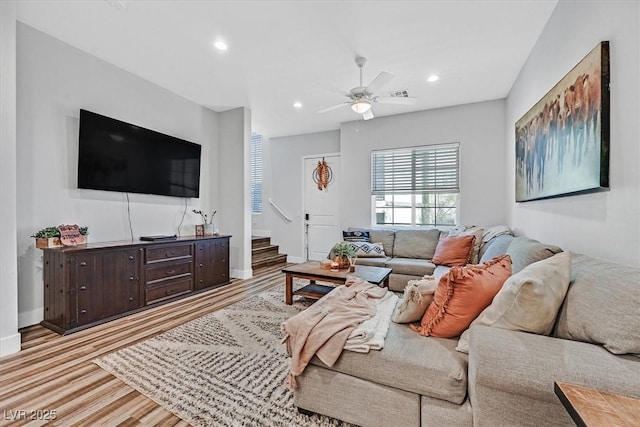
[[29, 318], [295, 259], [9, 345], [241, 274], [261, 233]]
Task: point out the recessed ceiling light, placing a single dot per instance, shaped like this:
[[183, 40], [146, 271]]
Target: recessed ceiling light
[[298, 104], [432, 78], [220, 45]]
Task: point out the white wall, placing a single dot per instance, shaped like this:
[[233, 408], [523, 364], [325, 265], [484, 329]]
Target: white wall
[[9, 336], [479, 128], [235, 188], [54, 81], [283, 173], [605, 225]]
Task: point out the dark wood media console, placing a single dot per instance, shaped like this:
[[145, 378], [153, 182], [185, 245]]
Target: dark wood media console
[[93, 283]]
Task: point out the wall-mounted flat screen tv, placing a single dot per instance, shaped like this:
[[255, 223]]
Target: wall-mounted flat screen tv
[[118, 156]]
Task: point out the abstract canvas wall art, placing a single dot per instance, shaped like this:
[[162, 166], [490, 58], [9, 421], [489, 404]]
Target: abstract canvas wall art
[[562, 142]]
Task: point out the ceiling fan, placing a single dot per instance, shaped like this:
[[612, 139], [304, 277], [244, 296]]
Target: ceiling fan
[[362, 98]]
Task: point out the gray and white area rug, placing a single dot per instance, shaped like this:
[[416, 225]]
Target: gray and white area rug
[[224, 369]]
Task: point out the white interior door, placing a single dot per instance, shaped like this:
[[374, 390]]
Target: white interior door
[[321, 209]]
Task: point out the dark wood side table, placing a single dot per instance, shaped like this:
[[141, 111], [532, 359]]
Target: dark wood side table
[[589, 407]]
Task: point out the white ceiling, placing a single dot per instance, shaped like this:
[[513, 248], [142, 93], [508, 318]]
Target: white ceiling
[[281, 52]]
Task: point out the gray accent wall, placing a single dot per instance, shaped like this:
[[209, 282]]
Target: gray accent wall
[[283, 163], [56, 80], [479, 128], [604, 225], [9, 336]]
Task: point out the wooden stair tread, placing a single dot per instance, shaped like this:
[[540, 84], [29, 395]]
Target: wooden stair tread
[[264, 254]]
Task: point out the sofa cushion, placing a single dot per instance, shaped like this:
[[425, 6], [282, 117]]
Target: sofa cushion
[[417, 296], [411, 266], [524, 251], [527, 365], [415, 243], [461, 295], [496, 247], [602, 305], [454, 250], [423, 365], [356, 236], [373, 262], [529, 300]]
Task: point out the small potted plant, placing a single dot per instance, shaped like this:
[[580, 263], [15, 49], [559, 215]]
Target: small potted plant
[[342, 253], [49, 237]]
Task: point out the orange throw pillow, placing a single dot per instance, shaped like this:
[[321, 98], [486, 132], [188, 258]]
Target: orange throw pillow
[[454, 250], [461, 296]]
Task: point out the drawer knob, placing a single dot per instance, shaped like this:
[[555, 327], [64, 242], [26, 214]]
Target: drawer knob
[[169, 291], [169, 272], [168, 254], [130, 298], [201, 264], [83, 288], [83, 311], [130, 257], [83, 264], [201, 281], [131, 278]]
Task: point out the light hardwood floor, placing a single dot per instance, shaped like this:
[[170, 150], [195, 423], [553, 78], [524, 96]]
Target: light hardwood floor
[[54, 374]]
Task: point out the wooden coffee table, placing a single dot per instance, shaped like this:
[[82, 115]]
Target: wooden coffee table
[[312, 271], [589, 407]]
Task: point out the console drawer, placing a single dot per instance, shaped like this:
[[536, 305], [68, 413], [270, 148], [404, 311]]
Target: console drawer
[[163, 253], [167, 270], [168, 290]]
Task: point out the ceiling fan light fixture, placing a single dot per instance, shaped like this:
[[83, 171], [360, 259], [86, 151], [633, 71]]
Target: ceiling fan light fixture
[[361, 106]]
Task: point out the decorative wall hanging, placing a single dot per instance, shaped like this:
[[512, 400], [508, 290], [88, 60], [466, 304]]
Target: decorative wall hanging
[[562, 143], [322, 174]]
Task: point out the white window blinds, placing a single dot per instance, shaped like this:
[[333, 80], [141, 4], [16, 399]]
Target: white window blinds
[[418, 170], [256, 173]]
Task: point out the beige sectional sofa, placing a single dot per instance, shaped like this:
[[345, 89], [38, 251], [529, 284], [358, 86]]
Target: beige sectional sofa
[[408, 253], [507, 377]]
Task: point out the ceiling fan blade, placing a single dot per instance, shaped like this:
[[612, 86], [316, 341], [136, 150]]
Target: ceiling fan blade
[[394, 100], [382, 79], [368, 115], [335, 107]]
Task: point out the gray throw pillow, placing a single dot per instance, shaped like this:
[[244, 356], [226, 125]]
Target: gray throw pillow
[[524, 251], [496, 247]]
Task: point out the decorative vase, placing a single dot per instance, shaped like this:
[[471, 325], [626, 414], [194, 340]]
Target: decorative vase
[[209, 229], [343, 262]]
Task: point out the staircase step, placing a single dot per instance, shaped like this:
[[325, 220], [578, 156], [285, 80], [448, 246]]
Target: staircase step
[[269, 261], [258, 242], [273, 249]]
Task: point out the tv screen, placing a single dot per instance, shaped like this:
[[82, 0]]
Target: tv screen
[[118, 156]]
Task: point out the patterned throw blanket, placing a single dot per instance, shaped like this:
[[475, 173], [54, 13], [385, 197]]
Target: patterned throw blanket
[[324, 328]]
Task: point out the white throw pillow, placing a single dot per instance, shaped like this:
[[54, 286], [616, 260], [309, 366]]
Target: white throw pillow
[[417, 296], [529, 300], [368, 250]]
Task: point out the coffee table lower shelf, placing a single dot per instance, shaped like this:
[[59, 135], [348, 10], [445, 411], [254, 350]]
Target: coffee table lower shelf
[[313, 291]]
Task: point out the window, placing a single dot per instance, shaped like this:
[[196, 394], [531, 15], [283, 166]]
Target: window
[[256, 173], [416, 186]]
